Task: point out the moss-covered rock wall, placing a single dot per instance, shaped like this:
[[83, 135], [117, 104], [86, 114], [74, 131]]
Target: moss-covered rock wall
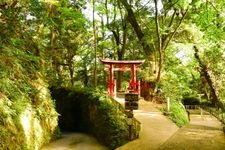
[[92, 112], [27, 113]]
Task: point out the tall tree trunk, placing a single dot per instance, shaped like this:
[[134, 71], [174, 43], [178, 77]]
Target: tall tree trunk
[[53, 51], [95, 46], [147, 48], [162, 40], [205, 72], [137, 29], [159, 47], [55, 63], [86, 78], [119, 40], [71, 70], [102, 47], [121, 53]]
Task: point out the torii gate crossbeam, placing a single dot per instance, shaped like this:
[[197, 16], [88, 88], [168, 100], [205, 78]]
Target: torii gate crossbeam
[[121, 65]]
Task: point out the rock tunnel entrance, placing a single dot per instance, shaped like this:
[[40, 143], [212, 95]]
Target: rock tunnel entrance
[[69, 107]]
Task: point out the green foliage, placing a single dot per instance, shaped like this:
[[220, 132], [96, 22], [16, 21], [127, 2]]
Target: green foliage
[[181, 76], [191, 100], [24, 96], [175, 86], [184, 4], [178, 114], [12, 137], [179, 82], [77, 17], [20, 86], [110, 124]]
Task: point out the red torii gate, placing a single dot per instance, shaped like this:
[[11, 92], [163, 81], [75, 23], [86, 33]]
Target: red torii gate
[[120, 65]]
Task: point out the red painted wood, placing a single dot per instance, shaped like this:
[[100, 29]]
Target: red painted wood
[[122, 69], [123, 65], [111, 80], [139, 88], [133, 77], [121, 62]]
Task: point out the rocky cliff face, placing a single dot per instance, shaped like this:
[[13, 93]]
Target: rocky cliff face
[[28, 118]]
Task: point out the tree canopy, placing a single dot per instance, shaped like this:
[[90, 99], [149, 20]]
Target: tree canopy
[[182, 41]]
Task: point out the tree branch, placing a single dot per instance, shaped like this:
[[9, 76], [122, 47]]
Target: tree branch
[[159, 42], [140, 35], [204, 71], [174, 32]]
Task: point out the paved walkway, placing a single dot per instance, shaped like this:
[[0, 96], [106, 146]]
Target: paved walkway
[[75, 141], [157, 133], [203, 133], [155, 128]]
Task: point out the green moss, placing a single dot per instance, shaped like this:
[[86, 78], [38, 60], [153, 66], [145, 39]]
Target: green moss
[[110, 124], [9, 139], [85, 110], [27, 113]]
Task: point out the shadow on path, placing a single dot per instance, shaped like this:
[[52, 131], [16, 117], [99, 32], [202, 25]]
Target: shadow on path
[[203, 133]]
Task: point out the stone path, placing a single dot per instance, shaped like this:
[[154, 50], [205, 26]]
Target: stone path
[[155, 128]]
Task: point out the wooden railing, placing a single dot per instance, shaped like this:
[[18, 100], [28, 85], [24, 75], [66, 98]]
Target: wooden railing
[[192, 106]]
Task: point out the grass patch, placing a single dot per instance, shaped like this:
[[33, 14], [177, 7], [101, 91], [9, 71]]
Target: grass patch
[[178, 114]]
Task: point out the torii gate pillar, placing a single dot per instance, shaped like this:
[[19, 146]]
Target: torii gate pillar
[[121, 67], [133, 78], [111, 80]]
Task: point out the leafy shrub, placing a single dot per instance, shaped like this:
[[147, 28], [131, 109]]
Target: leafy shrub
[[174, 85], [205, 102], [191, 100], [178, 114], [110, 124]]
